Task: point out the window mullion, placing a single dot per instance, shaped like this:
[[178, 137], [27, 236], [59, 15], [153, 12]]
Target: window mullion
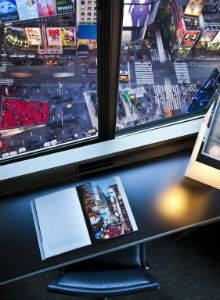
[[110, 14]]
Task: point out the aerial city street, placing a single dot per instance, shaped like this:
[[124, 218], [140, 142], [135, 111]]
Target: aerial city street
[[169, 66]]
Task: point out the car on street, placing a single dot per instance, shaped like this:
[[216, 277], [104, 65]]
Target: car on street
[[51, 62], [124, 76]]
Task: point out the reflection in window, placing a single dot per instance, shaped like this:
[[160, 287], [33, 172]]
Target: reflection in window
[[212, 140], [169, 62], [48, 82]]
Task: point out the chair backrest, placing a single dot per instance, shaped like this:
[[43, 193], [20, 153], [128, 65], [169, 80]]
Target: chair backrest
[[120, 273]]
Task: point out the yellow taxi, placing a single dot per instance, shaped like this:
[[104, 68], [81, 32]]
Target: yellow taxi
[[124, 76], [51, 62]]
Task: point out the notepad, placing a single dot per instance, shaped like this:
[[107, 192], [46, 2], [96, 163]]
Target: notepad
[[76, 217]]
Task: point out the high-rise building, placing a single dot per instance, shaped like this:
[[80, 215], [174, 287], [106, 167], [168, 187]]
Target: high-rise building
[[86, 12]]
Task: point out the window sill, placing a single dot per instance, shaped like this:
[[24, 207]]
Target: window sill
[[71, 162]]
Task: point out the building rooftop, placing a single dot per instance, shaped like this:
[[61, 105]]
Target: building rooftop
[[211, 11]]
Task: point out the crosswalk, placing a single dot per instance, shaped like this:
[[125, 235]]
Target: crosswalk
[[144, 73], [167, 96], [182, 72], [155, 56]]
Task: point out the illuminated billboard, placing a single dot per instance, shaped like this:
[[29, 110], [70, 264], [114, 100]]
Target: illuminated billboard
[[33, 36], [194, 7], [190, 37], [136, 12], [8, 10], [217, 38], [64, 6], [68, 36], [180, 31], [27, 9], [46, 8], [209, 35], [54, 36]]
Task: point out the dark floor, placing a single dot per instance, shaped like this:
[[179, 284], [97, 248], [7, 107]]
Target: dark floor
[[188, 269]]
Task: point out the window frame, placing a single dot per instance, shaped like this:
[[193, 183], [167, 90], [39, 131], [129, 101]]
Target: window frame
[[108, 143]]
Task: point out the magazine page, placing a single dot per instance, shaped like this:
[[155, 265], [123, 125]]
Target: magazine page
[[106, 208], [60, 223]]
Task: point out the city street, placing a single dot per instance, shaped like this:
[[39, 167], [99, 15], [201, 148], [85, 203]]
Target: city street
[[67, 87], [164, 85]]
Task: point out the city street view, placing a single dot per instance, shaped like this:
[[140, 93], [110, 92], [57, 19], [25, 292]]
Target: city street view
[[167, 57], [169, 66], [48, 74]]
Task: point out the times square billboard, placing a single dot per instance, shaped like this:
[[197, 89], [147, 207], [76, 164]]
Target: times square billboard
[[209, 35], [33, 36], [139, 13], [8, 11], [64, 6], [186, 37], [54, 36], [13, 10], [68, 36]]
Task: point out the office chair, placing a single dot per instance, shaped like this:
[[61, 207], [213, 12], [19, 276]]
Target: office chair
[[115, 274]]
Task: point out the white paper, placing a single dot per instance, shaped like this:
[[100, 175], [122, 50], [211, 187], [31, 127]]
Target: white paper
[[61, 223], [126, 203]]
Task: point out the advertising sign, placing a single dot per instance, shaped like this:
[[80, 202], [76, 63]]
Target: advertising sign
[[54, 36], [68, 36], [46, 8], [8, 10], [190, 37], [27, 9], [217, 38], [33, 36], [64, 6], [180, 31], [209, 36], [136, 12], [194, 7]]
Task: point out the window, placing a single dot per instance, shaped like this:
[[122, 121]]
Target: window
[[164, 69], [140, 85], [48, 79], [82, 2]]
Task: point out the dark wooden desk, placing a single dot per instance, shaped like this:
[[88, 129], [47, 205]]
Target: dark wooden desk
[[161, 199]]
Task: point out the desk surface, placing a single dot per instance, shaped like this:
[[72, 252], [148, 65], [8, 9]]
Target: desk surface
[[161, 200]]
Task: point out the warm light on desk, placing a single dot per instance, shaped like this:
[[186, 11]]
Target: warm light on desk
[[173, 203], [185, 201]]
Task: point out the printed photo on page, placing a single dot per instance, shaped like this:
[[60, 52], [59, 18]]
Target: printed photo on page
[[106, 208]]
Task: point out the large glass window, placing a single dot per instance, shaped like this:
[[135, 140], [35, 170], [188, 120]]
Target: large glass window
[[48, 75], [169, 62]]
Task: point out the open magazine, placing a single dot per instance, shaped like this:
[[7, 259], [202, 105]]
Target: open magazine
[[76, 217]]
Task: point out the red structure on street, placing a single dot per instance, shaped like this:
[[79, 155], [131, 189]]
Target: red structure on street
[[16, 113]]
